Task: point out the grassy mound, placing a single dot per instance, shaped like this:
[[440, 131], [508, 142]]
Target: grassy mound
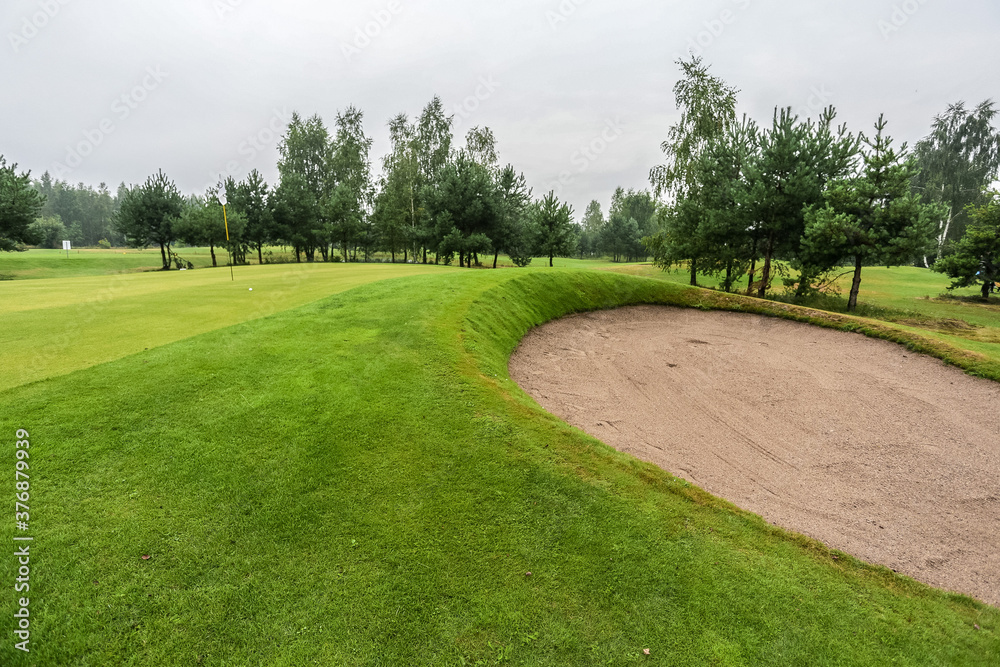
[[356, 481]]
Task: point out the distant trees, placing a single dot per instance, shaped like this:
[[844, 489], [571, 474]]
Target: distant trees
[[147, 215], [975, 259], [957, 161], [20, 204], [84, 211]]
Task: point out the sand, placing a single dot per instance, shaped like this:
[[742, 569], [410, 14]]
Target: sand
[[876, 451]]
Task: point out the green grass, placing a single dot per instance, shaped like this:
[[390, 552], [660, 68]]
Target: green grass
[[34, 264], [56, 326], [356, 481]]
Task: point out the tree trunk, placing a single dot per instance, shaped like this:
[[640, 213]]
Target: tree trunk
[[393, 253], [495, 256], [944, 233], [753, 270], [550, 261], [694, 273], [765, 277], [986, 289], [405, 254], [852, 302], [211, 249], [260, 253], [425, 254], [163, 255], [729, 276]]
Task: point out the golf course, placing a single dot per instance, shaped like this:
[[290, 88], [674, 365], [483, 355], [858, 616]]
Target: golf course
[[329, 464]]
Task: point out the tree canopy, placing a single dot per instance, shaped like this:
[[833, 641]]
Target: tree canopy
[[20, 204]]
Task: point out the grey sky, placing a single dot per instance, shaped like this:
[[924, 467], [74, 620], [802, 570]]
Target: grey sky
[[115, 90]]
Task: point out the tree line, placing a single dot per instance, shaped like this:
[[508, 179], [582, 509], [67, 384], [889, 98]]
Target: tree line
[[432, 202], [803, 199]]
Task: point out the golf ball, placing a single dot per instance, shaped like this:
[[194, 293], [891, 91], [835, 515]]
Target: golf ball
[[251, 289]]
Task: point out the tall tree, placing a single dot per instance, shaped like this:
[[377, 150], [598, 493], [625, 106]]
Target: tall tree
[[708, 109], [717, 224], [871, 217], [304, 155], [147, 213], [593, 217], [512, 234], [958, 160], [975, 259], [250, 198], [419, 152], [554, 225], [20, 204], [433, 150], [295, 212], [349, 170]]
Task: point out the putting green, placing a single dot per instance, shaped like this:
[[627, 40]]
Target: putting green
[[60, 325]]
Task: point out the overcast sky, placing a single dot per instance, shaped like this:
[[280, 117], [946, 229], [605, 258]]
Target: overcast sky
[[578, 92]]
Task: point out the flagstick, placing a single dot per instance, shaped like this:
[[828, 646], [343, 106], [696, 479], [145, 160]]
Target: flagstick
[[229, 247]]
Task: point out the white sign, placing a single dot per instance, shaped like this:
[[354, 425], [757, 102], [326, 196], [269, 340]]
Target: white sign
[[67, 245]]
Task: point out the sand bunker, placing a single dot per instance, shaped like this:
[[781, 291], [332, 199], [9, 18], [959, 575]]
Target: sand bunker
[[887, 455]]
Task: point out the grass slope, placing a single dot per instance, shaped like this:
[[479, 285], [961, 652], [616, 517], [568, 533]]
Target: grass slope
[[357, 482]]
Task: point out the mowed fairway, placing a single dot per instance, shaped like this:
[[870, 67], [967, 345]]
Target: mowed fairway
[[356, 481], [59, 325]]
